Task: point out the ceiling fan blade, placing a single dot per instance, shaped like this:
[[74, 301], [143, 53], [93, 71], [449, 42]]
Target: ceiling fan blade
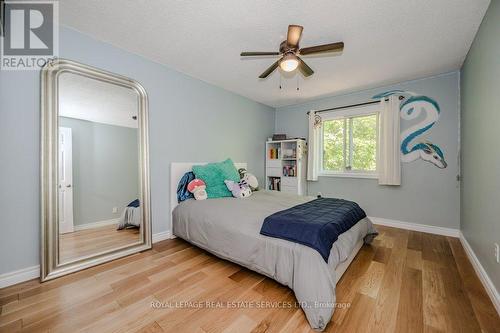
[[293, 36], [269, 70], [252, 54], [333, 47], [304, 69]]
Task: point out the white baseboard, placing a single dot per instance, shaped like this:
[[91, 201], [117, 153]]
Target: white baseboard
[[483, 276], [161, 236], [416, 227], [25, 274], [96, 224]]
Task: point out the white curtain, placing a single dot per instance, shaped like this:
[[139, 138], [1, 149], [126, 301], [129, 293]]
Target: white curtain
[[389, 162], [313, 146]]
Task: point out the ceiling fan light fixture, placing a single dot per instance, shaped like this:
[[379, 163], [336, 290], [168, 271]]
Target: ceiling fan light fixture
[[290, 49], [289, 62]]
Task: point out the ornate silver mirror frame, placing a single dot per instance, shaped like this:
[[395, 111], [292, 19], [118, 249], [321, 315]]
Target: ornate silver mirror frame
[[51, 267]]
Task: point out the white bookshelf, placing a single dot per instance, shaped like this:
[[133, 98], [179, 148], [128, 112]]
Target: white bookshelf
[[287, 166]]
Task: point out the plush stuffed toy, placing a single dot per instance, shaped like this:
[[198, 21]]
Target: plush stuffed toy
[[242, 172], [198, 188], [251, 181], [239, 189], [249, 178]]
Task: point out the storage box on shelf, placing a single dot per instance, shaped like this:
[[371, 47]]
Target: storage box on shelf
[[286, 166]]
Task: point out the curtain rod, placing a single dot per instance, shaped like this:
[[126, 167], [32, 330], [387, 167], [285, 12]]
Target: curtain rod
[[351, 106]]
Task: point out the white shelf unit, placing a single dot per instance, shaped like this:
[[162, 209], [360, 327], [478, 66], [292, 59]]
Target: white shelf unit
[[287, 166]]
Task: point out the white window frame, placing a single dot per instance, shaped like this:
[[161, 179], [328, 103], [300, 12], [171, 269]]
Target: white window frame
[[350, 112]]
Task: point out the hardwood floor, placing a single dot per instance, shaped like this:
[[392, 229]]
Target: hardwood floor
[[87, 242], [405, 282]]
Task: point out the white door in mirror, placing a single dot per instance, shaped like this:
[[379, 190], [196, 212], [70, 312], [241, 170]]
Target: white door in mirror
[[65, 180], [497, 253]]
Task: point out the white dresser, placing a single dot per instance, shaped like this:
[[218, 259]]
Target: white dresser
[[286, 166]]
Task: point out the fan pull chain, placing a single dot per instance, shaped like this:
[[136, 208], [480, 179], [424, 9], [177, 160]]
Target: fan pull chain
[[280, 80], [298, 83]]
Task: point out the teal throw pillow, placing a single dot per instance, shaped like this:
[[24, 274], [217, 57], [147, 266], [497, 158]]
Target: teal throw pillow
[[214, 175]]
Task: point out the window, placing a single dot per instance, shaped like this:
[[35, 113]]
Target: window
[[349, 142]]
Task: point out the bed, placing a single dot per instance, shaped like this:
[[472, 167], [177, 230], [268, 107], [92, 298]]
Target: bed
[[230, 229], [131, 216]]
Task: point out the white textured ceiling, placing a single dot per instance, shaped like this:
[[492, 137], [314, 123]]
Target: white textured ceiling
[[386, 41], [84, 98]]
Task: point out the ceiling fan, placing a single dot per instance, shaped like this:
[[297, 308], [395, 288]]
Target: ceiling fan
[[290, 51]]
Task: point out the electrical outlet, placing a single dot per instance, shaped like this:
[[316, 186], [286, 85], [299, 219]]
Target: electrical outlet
[[115, 209], [497, 253]]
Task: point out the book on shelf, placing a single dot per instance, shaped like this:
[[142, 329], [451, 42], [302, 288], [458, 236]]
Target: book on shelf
[[289, 170], [274, 153], [274, 183]]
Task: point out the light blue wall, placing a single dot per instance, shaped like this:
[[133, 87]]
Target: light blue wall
[[480, 213], [427, 195], [190, 120], [105, 169]]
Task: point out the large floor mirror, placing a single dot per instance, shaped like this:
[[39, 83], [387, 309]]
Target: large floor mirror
[[95, 171]]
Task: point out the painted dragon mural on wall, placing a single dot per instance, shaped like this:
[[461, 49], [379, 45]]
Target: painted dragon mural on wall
[[410, 108]]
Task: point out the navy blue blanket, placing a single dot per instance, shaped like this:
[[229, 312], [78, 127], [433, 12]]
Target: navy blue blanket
[[134, 203], [317, 223]]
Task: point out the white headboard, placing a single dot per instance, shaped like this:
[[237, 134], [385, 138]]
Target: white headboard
[[177, 170]]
